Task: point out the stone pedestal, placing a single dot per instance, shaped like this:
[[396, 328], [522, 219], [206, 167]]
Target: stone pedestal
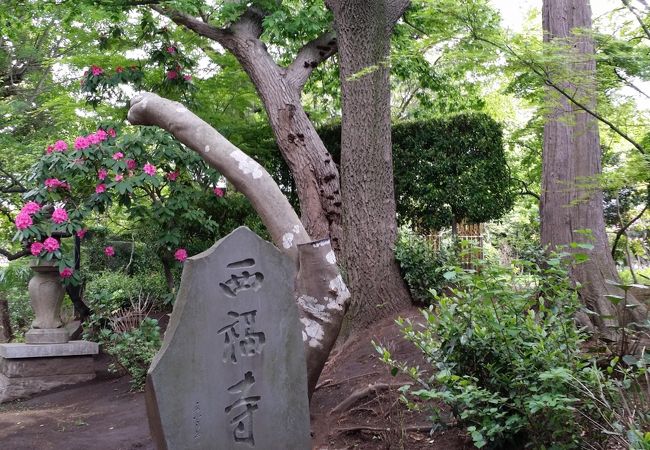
[[26, 369]]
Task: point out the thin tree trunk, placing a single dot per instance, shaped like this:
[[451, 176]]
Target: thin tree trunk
[[369, 219], [169, 276], [571, 161], [628, 255], [6, 333], [81, 310]]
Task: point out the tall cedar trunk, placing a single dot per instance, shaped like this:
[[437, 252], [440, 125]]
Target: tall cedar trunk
[[571, 156], [369, 221]]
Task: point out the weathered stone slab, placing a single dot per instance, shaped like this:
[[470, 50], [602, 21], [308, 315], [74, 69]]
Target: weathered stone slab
[[35, 367], [15, 388], [22, 377], [231, 372], [71, 348]]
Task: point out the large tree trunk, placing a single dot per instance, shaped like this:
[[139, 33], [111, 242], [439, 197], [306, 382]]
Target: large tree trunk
[[571, 198], [369, 221]]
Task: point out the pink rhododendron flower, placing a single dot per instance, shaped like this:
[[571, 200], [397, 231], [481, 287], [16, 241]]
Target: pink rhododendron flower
[[149, 169], [119, 69], [102, 174], [109, 251], [51, 245], [171, 176], [180, 254], [93, 139], [81, 233], [111, 132], [66, 273], [36, 248], [101, 134], [97, 71], [171, 50], [172, 74], [187, 77], [100, 188], [31, 208], [119, 177], [60, 146], [23, 220], [218, 192], [54, 183], [131, 164], [81, 142], [118, 155], [59, 215]]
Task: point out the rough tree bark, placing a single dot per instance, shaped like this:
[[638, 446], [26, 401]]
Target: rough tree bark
[[311, 165], [371, 227], [321, 295], [571, 200], [369, 221]]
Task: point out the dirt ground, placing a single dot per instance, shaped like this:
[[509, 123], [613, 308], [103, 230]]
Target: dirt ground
[[355, 406]]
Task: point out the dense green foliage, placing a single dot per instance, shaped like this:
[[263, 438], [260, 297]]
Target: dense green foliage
[[446, 170], [506, 355]]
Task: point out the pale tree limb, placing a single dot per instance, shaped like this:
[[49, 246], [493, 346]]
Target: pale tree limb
[[320, 292], [242, 171]]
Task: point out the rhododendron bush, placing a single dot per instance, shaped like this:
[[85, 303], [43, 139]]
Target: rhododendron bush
[[143, 172]]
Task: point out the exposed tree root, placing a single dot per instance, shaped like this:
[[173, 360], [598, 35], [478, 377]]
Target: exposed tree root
[[418, 428], [328, 382], [360, 393]]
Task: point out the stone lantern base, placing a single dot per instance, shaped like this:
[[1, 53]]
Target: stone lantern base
[[51, 335], [26, 369]]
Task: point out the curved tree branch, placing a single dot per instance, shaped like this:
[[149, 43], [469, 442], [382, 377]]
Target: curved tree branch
[[310, 56], [242, 171], [624, 228], [540, 72], [13, 256], [321, 294]]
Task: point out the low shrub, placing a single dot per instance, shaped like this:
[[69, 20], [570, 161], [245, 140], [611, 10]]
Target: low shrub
[[107, 292], [133, 349], [505, 354], [421, 265]]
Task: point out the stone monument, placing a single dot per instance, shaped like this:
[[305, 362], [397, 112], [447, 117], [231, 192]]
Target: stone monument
[[231, 372], [48, 358]]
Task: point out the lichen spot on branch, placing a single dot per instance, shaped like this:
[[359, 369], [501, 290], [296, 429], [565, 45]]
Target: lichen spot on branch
[[338, 288], [287, 240], [312, 332], [311, 306], [247, 164]]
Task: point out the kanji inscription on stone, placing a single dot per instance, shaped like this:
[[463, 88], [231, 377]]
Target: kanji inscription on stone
[[231, 372]]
